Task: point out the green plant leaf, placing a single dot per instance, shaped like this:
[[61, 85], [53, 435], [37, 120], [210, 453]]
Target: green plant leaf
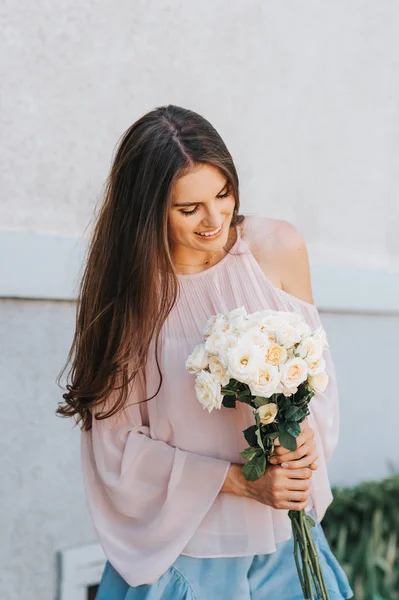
[[293, 411], [259, 401], [229, 401], [254, 468], [249, 453], [310, 521], [250, 435], [293, 428], [259, 437], [287, 440]]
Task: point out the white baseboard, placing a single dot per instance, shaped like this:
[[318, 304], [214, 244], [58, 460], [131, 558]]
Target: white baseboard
[[78, 569], [42, 266]]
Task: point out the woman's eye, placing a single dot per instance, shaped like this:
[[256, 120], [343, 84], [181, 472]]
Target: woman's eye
[[227, 193], [187, 213]]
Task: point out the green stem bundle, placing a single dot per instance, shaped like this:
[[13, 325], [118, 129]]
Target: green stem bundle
[[310, 569]]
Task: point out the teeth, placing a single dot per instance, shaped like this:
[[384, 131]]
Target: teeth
[[209, 233]]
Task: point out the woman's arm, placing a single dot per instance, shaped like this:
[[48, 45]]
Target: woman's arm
[[146, 497]]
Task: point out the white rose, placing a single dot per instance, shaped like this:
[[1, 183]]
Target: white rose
[[288, 335], [318, 382], [219, 343], [236, 313], [316, 367], [218, 324], [241, 324], [310, 349], [243, 361], [275, 354], [208, 391], [210, 324], [197, 360], [271, 323], [218, 370], [293, 373], [320, 335], [266, 382], [267, 413], [254, 336]]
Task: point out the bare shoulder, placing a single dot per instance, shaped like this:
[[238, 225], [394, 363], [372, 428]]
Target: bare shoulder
[[280, 249]]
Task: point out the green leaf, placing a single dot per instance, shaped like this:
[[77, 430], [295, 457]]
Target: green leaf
[[292, 411], [310, 521], [259, 438], [293, 428], [254, 468], [227, 392], [271, 435], [229, 401], [283, 401], [287, 440], [249, 453], [244, 398], [250, 435], [259, 401]]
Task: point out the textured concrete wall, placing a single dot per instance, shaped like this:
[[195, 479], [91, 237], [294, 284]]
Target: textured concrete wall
[[304, 93]]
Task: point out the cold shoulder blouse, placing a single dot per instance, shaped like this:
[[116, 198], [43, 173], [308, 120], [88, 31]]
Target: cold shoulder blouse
[[153, 473]]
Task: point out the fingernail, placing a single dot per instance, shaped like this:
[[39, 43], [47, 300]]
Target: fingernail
[[285, 464]]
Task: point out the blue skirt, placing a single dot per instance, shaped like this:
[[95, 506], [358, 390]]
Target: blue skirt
[[259, 577]]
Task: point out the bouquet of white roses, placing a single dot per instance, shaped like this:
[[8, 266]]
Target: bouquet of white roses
[[272, 361]]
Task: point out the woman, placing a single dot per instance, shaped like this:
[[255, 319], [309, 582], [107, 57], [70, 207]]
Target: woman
[[172, 510]]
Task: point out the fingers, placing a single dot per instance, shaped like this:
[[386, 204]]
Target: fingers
[[303, 473], [294, 505], [298, 484], [307, 436], [306, 449], [301, 462]]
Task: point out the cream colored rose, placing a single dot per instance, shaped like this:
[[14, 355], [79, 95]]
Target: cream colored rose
[[310, 349], [266, 381], [243, 361], [254, 336], [287, 335], [208, 391], [319, 382], [217, 325], [219, 343], [275, 354], [316, 367], [197, 360], [218, 370], [236, 313], [267, 413], [320, 335], [210, 324], [293, 372]]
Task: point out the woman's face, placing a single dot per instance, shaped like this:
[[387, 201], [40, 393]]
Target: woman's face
[[202, 202]]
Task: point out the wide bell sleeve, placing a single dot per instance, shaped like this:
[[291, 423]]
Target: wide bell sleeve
[[145, 497], [324, 406]]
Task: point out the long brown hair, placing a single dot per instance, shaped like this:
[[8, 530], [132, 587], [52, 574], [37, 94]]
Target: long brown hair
[[129, 284]]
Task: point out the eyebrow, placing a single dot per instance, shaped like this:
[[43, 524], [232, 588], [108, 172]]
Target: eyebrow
[[192, 203]]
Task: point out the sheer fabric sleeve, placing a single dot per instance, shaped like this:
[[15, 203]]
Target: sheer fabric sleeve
[[146, 498], [324, 406]]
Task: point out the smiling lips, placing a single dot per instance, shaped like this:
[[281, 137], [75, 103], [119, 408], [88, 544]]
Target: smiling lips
[[209, 233]]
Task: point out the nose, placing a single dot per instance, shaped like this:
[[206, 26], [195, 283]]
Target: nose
[[213, 219]]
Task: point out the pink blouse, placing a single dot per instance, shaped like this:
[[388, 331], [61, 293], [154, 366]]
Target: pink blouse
[[153, 473]]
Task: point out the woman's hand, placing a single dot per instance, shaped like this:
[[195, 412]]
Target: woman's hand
[[305, 455], [277, 487]]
